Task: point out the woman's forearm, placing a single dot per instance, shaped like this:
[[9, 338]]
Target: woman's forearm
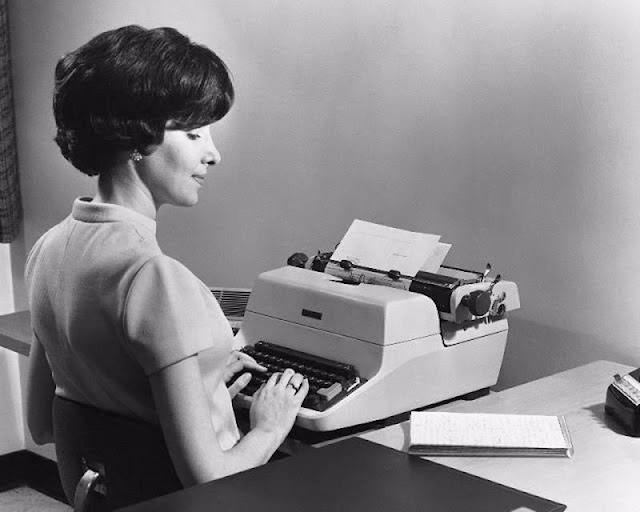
[[183, 412], [40, 393]]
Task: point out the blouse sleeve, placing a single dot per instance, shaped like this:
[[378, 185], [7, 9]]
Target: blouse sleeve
[[169, 315]]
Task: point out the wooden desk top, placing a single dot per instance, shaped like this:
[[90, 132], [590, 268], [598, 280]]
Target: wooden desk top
[[603, 473], [15, 332]]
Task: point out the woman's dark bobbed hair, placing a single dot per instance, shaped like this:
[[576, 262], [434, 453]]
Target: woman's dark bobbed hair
[[119, 90]]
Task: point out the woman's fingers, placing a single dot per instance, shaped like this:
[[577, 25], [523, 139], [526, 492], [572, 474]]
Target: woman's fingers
[[239, 361], [239, 384], [296, 381], [302, 390], [287, 380], [248, 362]]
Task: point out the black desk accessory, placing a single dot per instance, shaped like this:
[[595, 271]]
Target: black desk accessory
[[352, 475], [623, 402]]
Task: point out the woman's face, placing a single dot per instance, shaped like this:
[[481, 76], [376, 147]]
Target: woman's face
[[177, 168]]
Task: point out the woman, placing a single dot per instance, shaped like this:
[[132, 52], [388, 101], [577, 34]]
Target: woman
[[116, 323]]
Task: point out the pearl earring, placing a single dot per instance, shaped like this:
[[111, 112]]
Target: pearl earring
[[135, 155]]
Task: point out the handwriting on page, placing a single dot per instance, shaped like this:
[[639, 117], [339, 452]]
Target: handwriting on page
[[495, 430]]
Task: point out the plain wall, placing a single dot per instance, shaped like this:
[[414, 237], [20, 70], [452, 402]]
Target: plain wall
[[509, 128]]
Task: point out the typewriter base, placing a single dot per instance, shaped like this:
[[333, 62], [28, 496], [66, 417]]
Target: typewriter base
[[301, 438]]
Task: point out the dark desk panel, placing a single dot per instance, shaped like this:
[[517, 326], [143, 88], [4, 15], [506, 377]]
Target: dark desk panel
[[353, 475]]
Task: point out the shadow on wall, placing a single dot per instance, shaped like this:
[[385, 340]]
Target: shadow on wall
[[535, 351]]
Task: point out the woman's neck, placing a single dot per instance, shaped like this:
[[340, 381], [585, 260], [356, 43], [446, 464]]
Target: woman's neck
[[121, 185]]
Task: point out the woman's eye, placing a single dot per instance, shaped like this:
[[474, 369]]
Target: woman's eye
[[193, 136]]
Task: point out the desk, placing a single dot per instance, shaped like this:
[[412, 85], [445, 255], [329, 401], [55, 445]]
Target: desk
[[602, 475], [15, 332], [605, 470]]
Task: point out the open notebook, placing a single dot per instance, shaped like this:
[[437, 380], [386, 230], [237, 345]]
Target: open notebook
[[478, 434]]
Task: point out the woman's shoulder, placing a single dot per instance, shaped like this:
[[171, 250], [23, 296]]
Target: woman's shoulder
[[48, 237], [168, 304], [164, 264], [162, 272]]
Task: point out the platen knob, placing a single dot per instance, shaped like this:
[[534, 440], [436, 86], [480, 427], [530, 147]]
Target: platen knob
[[478, 302], [298, 259]]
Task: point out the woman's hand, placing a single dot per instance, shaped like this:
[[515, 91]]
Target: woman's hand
[[237, 362], [277, 402]]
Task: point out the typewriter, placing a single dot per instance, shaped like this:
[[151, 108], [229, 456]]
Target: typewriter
[[376, 344]]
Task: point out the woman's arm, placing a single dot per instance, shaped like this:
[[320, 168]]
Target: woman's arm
[[40, 393], [184, 414]]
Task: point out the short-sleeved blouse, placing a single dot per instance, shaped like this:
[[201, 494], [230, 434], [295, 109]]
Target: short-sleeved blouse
[[110, 309]]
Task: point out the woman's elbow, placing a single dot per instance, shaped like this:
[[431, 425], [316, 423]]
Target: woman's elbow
[[41, 433], [41, 438]]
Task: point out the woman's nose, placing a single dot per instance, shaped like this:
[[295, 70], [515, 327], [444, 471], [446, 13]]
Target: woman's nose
[[212, 155]]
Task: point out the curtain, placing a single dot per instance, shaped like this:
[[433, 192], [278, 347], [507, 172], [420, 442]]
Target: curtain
[[10, 203]]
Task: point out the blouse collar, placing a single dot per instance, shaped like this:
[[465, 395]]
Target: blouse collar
[[87, 210]]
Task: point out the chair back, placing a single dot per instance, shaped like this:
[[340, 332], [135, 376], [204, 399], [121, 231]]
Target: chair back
[[130, 456]]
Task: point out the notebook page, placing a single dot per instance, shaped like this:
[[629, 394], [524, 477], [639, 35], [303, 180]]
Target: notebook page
[[494, 430]]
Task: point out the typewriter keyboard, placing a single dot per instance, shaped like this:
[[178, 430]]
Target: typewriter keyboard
[[329, 381]]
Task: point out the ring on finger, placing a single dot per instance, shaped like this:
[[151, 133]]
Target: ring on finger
[[293, 386]]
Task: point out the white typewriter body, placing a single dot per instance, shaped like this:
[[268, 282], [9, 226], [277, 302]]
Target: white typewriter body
[[396, 340]]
